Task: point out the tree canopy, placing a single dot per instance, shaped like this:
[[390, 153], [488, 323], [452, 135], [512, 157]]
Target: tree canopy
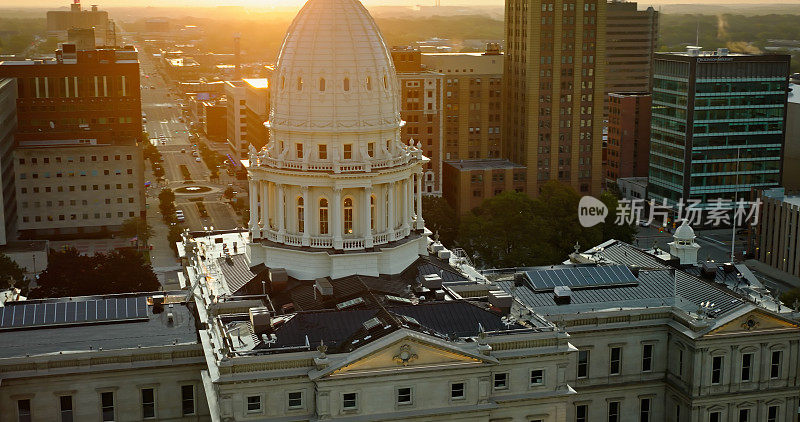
[[11, 274], [440, 218], [69, 273]]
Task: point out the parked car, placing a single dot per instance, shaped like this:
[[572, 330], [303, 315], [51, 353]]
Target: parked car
[[198, 159]]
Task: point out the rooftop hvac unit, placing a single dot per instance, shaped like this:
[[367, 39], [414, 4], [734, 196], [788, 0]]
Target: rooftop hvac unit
[[260, 320], [432, 281], [323, 289], [562, 295]]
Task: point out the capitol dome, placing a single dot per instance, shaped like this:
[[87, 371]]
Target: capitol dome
[[334, 73]]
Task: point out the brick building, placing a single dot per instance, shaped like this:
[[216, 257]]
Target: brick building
[[628, 150], [467, 183]]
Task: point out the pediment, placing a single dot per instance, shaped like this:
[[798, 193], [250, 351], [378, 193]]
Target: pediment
[[753, 321], [411, 352]]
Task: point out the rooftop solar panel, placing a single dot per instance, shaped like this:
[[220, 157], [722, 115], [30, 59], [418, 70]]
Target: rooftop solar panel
[[546, 279], [76, 311]]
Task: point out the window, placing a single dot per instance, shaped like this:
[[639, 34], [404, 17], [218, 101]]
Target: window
[[148, 403], [299, 149], [187, 400], [348, 151], [747, 363], [404, 395], [772, 414], [372, 212], [299, 84], [323, 151], [295, 399], [300, 215], [647, 357], [716, 369], [107, 405], [323, 216], [457, 390], [744, 415], [24, 410], [65, 408], [349, 401], [613, 411], [371, 149], [714, 417], [680, 363], [347, 84], [348, 216], [369, 83], [616, 353], [775, 365], [253, 404], [322, 84], [500, 381], [644, 410], [581, 413], [583, 363], [537, 377]]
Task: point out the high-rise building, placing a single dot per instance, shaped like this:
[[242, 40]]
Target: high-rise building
[[718, 124], [236, 125], [8, 123], [256, 112], [59, 22], [628, 149], [472, 97], [631, 38], [77, 165], [421, 97], [777, 231], [791, 156], [554, 85]]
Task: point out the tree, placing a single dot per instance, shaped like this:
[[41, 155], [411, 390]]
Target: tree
[[501, 232], [69, 273], [440, 218], [137, 227], [611, 230], [229, 193], [11, 274]]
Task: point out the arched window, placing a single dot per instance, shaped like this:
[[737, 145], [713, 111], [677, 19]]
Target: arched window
[[385, 83], [283, 82], [322, 84], [323, 216], [301, 215], [372, 212], [347, 84], [299, 84], [369, 83], [348, 216]]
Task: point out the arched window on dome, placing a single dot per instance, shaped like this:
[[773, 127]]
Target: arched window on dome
[[283, 83], [372, 212], [299, 84], [347, 84], [369, 83], [322, 84], [385, 83], [323, 216], [348, 216], [301, 217]]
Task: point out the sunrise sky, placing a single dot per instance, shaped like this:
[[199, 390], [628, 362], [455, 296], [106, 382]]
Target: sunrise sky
[[284, 3]]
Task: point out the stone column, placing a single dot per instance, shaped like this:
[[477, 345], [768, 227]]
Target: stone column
[[253, 209], [336, 218], [264, 207], [420, 222], [368, 241], [390, 209], [405, 213], [306, 217], [280, 210]]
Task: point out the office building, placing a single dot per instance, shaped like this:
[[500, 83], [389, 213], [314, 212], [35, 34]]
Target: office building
[[421, 105], [256, 112], [791, 156], [101, 358], [718, 124], [472, 96], [778, 231], [467, 183], [631, 40], [77, 165], [236, 124], [8, 124], [554, 84], [59, 22], [628, 140]]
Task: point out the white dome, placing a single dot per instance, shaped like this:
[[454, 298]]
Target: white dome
[[684, 231], [334, 73]]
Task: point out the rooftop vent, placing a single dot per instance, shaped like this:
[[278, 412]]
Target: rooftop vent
[[694, 50], [278, 279], [260, 320], [432, 281], [323, 289], [709, 270], [501, 300], [443, 254], [562, 295]]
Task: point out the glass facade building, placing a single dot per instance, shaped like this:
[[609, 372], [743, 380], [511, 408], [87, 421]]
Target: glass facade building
[[718, 124]]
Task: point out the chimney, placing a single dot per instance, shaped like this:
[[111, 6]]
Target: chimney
[[323, 289], [501, 300], [278, 277], [260, 320]]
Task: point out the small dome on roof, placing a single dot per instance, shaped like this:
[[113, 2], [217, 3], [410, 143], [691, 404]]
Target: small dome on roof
[[685, 231]]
